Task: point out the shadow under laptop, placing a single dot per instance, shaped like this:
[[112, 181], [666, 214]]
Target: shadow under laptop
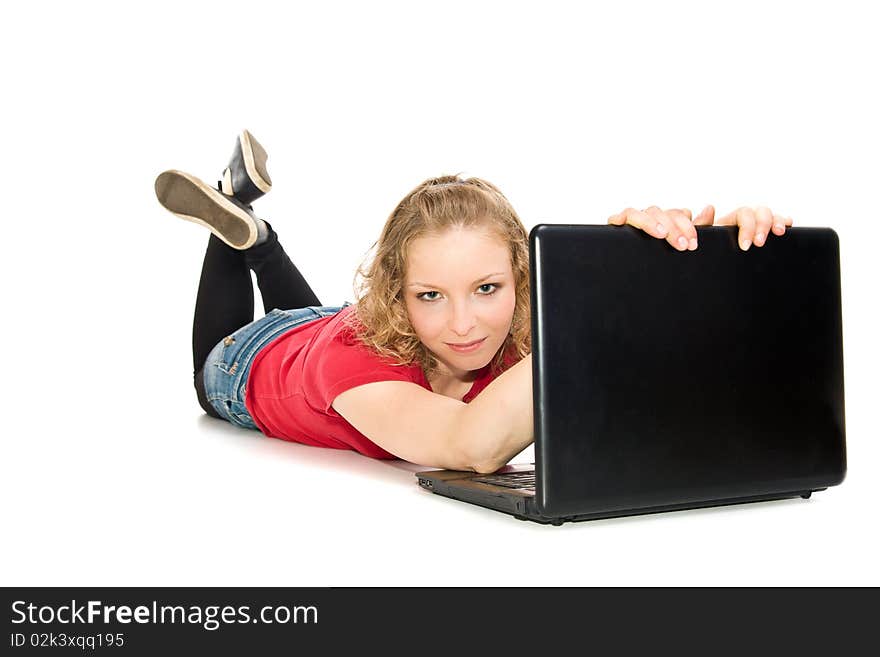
[[639, 519], [709, 511]]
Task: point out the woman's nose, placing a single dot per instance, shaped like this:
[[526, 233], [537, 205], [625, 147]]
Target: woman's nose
[[462, 320]]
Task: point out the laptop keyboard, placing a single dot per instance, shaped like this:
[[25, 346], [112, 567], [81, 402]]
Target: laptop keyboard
[[518, 480]]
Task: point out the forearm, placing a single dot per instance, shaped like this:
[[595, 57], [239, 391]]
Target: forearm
[[497, 425]]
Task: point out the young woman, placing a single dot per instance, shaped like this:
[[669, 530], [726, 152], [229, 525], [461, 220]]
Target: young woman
[[430, 365]]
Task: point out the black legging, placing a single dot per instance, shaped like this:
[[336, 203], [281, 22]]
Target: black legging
[[225, 300]]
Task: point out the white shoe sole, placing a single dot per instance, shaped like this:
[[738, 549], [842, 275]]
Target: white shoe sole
[[191, 199], [255, 161]]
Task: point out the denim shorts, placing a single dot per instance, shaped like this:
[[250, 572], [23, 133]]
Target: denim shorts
[[229, 363]]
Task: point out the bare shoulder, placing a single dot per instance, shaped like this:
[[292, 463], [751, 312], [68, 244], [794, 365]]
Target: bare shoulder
[[406, 420]]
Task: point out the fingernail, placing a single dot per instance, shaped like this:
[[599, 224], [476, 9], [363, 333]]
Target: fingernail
[[693, 244], [682, 242], [777, 228], [746, 244], [759, 239], [661, 230]]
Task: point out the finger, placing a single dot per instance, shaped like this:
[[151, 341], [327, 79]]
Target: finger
[[763, 221], [728, 219], [671, 222], [639, 220], [629, 216], [647, 221], [687, 238], [746, 221], [706, 217], [618, 219], [779, 224], [664, 226]]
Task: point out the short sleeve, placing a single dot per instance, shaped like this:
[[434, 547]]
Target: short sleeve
[[343, 364]]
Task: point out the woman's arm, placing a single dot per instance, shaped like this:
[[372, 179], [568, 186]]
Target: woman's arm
[[423, 427], [499, 421], [407, 420]]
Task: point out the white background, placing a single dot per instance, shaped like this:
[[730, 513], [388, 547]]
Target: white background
[[111, 475]]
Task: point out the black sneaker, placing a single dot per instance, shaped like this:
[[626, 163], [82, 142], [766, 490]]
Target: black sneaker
[[246, 177], [189, 198]]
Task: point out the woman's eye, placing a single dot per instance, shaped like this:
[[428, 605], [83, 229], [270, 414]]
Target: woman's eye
[[483, 292]]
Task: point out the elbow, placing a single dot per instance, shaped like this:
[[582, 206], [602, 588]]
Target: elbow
[[464, 458], [473, 451], [484, 463], [487, 467], [470, 463], [470, 459]]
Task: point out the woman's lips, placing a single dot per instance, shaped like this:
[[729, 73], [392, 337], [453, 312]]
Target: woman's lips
[[466, 347]]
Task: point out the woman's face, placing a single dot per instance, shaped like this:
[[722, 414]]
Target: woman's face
[[459, 288]]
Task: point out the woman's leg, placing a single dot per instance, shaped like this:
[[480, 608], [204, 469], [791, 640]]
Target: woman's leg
[[225, 300], [281, 284], [225, 303]]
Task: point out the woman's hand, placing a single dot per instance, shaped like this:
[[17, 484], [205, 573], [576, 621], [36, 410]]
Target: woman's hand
[[677, 227]]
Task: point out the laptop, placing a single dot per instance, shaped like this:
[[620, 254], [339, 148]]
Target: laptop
[[667, 380]]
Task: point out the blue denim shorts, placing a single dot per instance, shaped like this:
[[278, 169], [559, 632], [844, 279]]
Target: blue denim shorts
[[229, 363]]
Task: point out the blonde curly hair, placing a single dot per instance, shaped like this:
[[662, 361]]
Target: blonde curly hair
[[380, 320]]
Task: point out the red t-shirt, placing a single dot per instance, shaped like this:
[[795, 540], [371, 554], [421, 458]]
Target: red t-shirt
[[295, 378]]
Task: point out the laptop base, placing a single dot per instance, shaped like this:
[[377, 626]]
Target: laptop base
[[522, 506]]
